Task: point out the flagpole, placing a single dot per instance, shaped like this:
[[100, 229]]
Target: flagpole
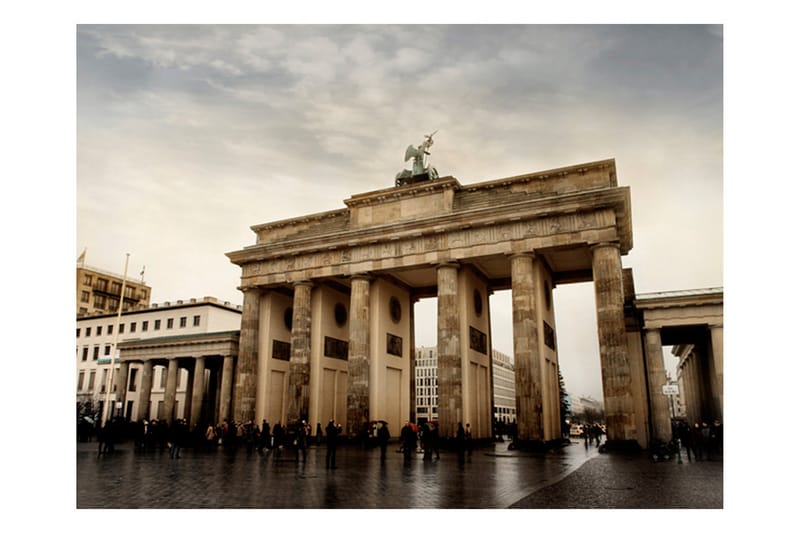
[[110, 379]]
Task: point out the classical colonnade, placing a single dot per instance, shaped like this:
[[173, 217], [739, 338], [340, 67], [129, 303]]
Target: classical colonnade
[[300, 358]]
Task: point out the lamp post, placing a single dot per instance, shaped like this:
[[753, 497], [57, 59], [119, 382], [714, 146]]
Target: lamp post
[[107, 410]]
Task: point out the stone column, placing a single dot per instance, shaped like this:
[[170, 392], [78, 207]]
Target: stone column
[[121, 384], [244, 394], [186, 407], [617, 382], [300, 360], [412, 365], [197, 391], [656, 379], [358, 357], [144, 392], [716, 349], [170, 390], [449, 348], [527, 359], [226, 389]]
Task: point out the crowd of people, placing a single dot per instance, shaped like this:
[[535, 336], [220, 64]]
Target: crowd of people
[[701, 440]]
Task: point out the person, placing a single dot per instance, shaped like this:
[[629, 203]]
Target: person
[[264, 440], [277, 438], [716, 438], [685, 436], [249, 435], [319, 434], [460, 438], [383, 439], [301, 441], [468, 440], [332, 440], [435, 438], [427, 440], [176, 438], [211, 437], [409, 440], [697, 442]]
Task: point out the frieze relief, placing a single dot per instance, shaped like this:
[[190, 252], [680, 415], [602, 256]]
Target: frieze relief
[[419, 244]]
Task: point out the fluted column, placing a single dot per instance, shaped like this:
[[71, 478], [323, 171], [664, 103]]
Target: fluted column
[[617, 382], [171, 389], [244, 394], [358, 356], [656, 379], [146, 388], [527, 359], [716, 349], [449, 351], [197, 391], [226, 389], [300, 360]]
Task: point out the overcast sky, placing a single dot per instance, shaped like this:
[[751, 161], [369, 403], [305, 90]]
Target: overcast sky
[[189, 135]]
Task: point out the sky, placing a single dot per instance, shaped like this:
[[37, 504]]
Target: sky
[[189, 135]]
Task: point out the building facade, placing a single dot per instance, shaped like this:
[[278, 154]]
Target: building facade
[[426, 386], [505, 403], [98, 292], [101, 362]]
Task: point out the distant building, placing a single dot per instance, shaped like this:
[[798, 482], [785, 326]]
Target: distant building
[[505, 402], [99, 291], [582, 404], [159, 324], [426, 385]]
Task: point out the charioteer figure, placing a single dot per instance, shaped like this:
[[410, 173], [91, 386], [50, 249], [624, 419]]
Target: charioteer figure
[[419, 171]]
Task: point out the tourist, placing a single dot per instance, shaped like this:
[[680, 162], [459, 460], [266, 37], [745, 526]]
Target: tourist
[[383, 439], [468, 440], [264, 443], [301, 441], [409, 440], [332, 440]]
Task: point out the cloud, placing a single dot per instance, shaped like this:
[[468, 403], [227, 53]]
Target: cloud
[[189, 135]]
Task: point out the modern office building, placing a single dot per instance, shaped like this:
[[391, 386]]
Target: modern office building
[[426, 383]]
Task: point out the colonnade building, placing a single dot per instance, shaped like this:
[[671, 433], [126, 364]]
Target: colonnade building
[[327, 325], [170, 360]]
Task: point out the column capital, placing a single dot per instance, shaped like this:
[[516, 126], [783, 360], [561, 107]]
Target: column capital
[[604, 244], [532, 254], [303, 283], [451, 264], [365, 276]]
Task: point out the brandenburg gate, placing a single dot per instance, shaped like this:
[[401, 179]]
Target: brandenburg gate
[[328, 325]]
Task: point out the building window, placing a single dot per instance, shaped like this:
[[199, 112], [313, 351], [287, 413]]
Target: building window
[[163, 378], [99, 330], [105, 380], [85, 354], [170, 321], [133, 327], [196, 320], [121, 329], [144, 325], [85, 296], [99, 301], [80, 380], [183, 321], [116, 287], [143, 294], [95, 353], [78, 333], [158, 324], [91, 381], [87, 279], [110, 329], [129, 292], [113, 304], [107, 350], [88, 332]]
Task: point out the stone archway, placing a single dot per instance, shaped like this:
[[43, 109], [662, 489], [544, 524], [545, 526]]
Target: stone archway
[[435, 238]]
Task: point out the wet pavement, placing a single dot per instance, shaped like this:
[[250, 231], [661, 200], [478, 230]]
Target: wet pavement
[[493, 477]]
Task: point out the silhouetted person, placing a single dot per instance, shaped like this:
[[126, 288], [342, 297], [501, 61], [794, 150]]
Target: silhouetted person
[[409, 439], [383, 439], [331, 440], [301, 441]]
